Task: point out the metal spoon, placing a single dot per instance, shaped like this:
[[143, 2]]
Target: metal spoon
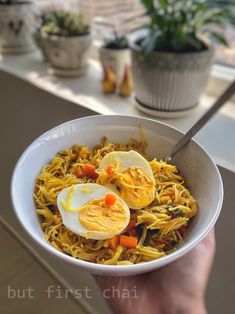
[[228, 93]]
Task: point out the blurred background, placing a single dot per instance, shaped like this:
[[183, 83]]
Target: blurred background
[[121, 11]]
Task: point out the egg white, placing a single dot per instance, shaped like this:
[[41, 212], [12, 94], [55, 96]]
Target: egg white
[[121, 161], [82, 194], [125, 160]]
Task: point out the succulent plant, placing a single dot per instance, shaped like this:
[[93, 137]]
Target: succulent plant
[[63, 23], [116, 41], [179, 25]]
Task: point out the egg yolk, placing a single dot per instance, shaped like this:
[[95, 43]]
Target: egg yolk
[[136, 187], [97, 216]]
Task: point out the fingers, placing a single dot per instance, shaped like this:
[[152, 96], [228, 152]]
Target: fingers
[[209, 241]]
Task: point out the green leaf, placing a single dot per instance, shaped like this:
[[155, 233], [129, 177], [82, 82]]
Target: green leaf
[[175, 24], [149, 43], [194, 42], [163, 4], [219, 38], [149, 5]]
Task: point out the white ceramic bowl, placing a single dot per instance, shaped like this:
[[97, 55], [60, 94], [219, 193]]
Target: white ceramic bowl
[[197, 167]]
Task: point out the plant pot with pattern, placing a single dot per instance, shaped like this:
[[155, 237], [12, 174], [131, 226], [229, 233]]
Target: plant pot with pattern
[[65, 39], [172, 58], [16, 26], [115, 53]]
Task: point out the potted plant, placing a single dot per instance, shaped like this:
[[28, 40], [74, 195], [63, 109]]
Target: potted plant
[[65, 39], [172, 58], [16, 26], [115, 53]]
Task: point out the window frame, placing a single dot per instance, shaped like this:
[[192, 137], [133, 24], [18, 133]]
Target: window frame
[[221, 77]]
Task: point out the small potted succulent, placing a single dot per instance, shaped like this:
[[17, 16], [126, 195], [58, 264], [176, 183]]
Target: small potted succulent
[[172, 58], [115, 53], [16, 26], [65, 39]]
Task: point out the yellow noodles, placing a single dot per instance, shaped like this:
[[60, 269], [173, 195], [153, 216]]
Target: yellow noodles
[[159, 227]]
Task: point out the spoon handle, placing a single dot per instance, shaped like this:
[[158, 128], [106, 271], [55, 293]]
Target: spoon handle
[[228, 93]]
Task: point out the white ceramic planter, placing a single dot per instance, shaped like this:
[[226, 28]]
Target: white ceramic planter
[[68, 56], [16, 27], [170, 81], [117, 59]]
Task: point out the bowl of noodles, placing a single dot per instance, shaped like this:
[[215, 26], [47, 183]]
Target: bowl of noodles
[[96, 193]]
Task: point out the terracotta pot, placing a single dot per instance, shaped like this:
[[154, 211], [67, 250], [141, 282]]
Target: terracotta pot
[[16, 27], [170, 81]]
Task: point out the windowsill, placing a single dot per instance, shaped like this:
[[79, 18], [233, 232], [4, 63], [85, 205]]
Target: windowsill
[[221, 77], [86, 91]]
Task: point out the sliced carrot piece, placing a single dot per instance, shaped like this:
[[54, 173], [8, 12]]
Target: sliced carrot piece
[[79, 173], [130, 242], [90, 171], [110, 170], [110, 199], [113, 242]]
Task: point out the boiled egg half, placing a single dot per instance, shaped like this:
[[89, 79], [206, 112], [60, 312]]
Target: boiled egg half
[[131, 177], [93, 211]]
